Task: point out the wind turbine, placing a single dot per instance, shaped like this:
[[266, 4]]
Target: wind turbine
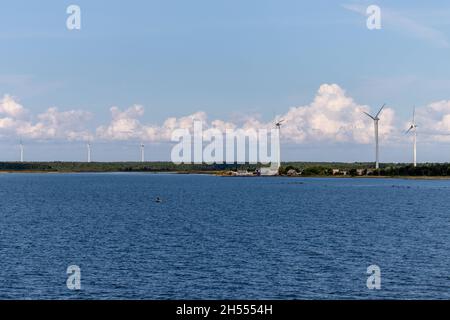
[[413, 128], [278, 126], [142, 153], [375, 123], [88, 146], [21, 151]]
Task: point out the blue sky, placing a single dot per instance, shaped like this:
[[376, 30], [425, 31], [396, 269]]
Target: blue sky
[[229, 59]]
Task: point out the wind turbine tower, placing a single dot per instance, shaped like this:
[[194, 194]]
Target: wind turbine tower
[[413, 128], [278, 126], [21, 151], [375, 119], [88, 146], [142, 153]]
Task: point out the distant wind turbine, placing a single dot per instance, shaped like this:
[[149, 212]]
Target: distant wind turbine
[[142, 152], [278, 126], [413, 128], [375, 123], [88, 146], [21, 151]]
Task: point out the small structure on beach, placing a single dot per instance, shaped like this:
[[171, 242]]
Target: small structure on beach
[[270, 171], [292, 173], [242, 173]]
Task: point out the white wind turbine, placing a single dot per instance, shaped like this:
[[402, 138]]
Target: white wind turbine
[[142, 152], [88, 146], [278, 126], [21, 151], [375, 123], [413, 128]]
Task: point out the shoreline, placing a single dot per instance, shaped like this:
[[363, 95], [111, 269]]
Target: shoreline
[[337, 170], [221, 174]]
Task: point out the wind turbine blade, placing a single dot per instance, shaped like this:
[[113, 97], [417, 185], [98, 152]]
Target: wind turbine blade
[[373, 118], [410, 128], [414, 115], [380, 110]]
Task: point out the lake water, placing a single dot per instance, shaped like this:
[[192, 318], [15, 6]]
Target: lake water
[[222, 238]]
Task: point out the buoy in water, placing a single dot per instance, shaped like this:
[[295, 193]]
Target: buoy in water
[[158, 200]]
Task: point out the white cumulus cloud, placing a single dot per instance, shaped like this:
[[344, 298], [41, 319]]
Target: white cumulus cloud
[[333, 116], [11, 107], [51, 124], [433, 121]]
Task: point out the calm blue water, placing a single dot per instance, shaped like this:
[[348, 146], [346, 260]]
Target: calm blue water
[[222, 238]]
